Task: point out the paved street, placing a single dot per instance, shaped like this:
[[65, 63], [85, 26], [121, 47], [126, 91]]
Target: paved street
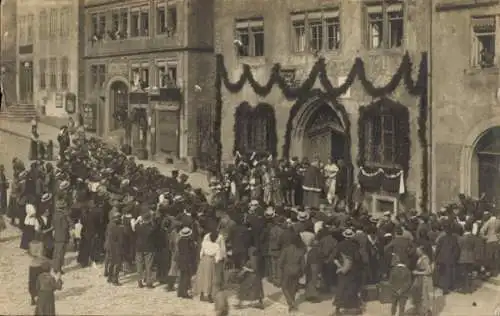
[[86, 292]]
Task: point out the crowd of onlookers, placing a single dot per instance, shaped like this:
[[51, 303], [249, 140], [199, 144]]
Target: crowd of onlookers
[[289, 222]]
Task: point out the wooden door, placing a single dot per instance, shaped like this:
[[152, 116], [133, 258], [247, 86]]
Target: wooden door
[[167, 132], [338, 146], [489, 177], [320, 146]]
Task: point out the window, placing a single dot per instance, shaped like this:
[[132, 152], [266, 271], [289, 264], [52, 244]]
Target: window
[[167, 75], [255, 128], [53, 23], [144, 31], [101, 28], [94, 25], [316, 31], [119, 24], [385, 25], [43, 32], [64, 73], [29, 29], [161, 20], [381, 141], [98, 76], [134, 24], [64, 22], [139, 19], [140, 76], [123, 23], [43, 73], [250, 34], [52, 73], [299, 32], [483, 41], [171, 20], [101, 76]]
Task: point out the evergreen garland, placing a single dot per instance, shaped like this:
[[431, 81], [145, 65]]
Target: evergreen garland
[[305, 91]]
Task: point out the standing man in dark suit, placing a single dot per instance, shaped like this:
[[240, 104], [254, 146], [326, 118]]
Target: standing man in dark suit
[[467, 243], [114, 247], [62, 224], [447, 255]]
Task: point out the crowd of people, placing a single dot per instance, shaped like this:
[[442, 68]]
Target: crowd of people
[[291, 222]]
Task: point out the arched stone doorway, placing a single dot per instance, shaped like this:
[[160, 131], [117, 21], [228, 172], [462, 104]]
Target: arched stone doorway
[[319, 130], [118, 101], [485, 166]]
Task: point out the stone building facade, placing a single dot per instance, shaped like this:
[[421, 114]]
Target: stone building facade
[[48, 55], [150, 45], [466, 100], [381, 134], [8, 49]]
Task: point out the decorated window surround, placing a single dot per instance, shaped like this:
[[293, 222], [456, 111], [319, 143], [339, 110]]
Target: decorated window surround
[[376, 198]]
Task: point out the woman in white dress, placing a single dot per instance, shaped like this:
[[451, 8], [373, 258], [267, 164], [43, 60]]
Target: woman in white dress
[[331, 170]]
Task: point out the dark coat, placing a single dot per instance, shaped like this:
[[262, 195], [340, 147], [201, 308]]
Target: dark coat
[[186, 255], [292, 261], [402, 247], [46, 302], [145, 237], [467, 244], [61, 223], [239, 237], [447, 249], [115, 236]]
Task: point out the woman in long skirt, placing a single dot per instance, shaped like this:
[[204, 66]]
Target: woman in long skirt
[[251, 289], [29, 226], [348, 271], [46, 285], [422, 286], [210, 255]]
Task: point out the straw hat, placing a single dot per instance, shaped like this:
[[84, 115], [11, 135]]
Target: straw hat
[[348, 233], [64, 185], [46, 197], [185, 232]]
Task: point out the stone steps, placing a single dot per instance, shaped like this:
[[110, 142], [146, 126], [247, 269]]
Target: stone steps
[[19, 113]]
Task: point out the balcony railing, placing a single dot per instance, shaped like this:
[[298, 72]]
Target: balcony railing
[[105, 45]]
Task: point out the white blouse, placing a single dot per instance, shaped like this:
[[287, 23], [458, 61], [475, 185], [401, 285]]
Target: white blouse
[[30, 219], [211, 249]]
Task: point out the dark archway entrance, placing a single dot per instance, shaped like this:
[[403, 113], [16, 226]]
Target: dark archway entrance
[[324, 135], [118, 102], [488, 162]]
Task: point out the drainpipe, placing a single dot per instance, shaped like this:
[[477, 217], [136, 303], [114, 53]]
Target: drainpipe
[[430, 142]]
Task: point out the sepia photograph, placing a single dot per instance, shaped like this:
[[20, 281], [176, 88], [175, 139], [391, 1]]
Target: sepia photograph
[[250, 157]]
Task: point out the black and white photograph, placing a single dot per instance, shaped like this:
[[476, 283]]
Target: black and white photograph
[[250, 157]]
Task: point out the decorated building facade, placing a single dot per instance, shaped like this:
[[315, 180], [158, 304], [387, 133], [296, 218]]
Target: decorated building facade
[[465, 101], [153, 61], [340, 80]]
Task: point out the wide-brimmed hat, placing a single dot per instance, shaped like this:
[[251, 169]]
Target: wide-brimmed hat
[[178, 198], [63, 185], [125, 182], [270, 212], [387, 213], [46, 197], [348, 233], [185, 232], [373, 220], [302, 216], [254, 203]]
